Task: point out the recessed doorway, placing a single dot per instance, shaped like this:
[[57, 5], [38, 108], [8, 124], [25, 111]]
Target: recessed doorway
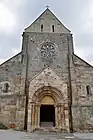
[[47, 116]]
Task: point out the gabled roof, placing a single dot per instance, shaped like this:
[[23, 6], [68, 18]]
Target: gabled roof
[[79, 61], [11, 58], [48, 10]]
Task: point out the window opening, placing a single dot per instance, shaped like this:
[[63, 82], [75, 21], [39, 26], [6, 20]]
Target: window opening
[[53, 28], [6, 87], [88, 89], [42, 28]]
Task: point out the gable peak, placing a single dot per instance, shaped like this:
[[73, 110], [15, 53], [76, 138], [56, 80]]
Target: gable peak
[[47, 22]]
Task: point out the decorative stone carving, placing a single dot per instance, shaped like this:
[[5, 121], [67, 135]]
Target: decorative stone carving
[[48, 51]]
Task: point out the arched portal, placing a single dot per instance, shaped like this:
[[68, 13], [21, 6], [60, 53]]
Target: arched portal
[[46, 109]]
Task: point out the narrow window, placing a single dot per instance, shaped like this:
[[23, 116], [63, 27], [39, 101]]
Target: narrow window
[[88, 89], [22, 58], [53, 28], [6, 87], [42, 28]]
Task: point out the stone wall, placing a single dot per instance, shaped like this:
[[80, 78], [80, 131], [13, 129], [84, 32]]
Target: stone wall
[[83, 118], [12, 99], [32, 45], [83, 110], [12, 111], [10, 72], [84, 77]]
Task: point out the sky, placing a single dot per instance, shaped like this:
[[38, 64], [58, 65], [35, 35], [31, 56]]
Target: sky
[[16, 15]]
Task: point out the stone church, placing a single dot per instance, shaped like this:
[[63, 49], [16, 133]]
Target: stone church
[[46, 85]]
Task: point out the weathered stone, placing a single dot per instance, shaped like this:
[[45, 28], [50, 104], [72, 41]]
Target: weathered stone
[[41, 71]]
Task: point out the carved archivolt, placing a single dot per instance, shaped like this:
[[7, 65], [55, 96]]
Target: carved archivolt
[[48, 91]]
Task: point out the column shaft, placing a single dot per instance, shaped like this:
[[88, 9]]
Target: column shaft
[[56, 117], [38, 117]]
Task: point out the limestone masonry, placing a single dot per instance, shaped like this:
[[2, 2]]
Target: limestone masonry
[[46, 85]]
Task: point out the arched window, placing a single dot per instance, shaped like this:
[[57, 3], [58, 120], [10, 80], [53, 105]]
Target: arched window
[[41, 27], [53, 29], [6, 87], [88, 89]]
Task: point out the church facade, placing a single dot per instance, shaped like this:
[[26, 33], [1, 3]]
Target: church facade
[[46, 85]]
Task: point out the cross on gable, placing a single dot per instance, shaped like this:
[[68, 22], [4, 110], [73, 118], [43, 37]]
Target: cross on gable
[[47, 6]]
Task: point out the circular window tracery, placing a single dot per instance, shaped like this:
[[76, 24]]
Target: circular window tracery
[[48, 51]]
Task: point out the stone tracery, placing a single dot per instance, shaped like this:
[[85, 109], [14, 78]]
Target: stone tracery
[[48, 50]]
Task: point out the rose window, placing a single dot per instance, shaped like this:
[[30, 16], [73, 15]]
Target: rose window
[[48, 51]]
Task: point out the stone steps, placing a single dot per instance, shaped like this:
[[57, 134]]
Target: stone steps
[[48, 129]]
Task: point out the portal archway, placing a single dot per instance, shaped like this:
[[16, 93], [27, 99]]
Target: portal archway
[[48, 91], [50, 100]]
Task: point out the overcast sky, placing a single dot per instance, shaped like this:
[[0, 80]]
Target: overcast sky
[[15, 15]]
